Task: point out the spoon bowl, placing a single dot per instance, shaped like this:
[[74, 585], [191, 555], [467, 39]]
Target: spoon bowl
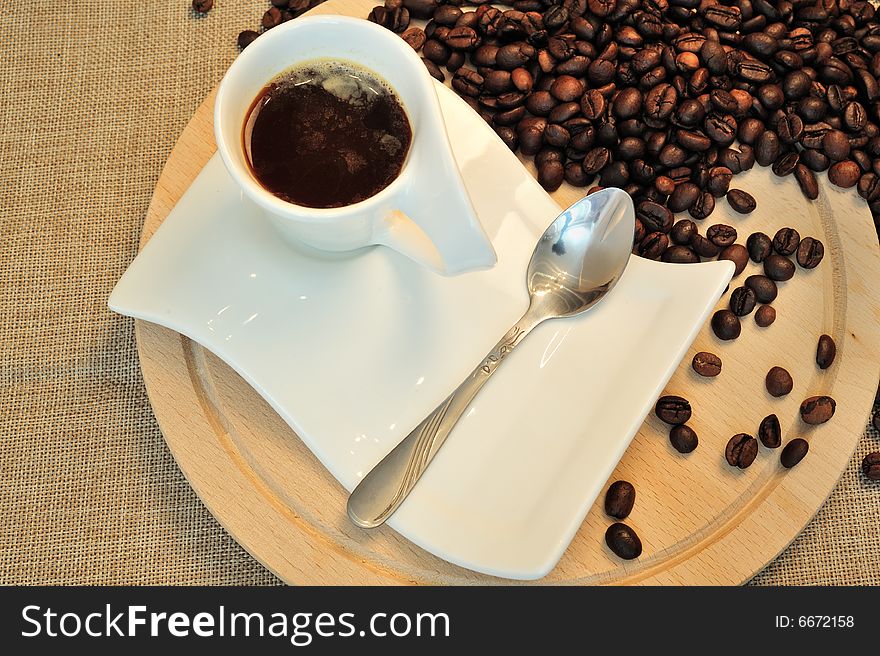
[[576, 262], [582, 254]]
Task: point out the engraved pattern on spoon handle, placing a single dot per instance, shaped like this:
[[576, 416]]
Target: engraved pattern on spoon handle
[[385, 487]]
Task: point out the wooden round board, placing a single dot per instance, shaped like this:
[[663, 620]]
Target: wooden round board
[[701, 521]]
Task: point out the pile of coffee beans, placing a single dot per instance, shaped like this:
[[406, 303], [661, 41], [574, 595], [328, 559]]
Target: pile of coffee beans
[[667, 99]]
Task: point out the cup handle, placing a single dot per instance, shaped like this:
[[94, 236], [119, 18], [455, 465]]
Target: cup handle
[[402, 234], [433, 221]]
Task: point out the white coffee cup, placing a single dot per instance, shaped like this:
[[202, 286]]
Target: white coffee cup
[[425, 213]]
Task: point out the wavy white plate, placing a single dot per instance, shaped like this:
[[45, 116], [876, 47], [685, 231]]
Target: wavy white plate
[[354, 350]]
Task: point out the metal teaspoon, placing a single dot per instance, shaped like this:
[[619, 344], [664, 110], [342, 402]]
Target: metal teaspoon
[[576, 262]]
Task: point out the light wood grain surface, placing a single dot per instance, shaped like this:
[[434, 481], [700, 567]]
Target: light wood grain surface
[[701, 522]]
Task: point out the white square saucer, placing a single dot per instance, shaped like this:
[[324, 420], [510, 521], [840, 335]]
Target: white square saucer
[[354, 350]]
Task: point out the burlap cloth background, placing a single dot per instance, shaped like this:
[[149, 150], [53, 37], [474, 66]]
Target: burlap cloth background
[[93, 95]]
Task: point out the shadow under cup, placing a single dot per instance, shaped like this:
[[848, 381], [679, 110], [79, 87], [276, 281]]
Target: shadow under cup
[[337, 39]]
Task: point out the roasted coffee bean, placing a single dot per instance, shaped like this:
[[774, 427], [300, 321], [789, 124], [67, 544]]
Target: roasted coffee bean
[[871, 466], [679, 254], [436, 52], [466, 81], [765, 315], [814, 134], [396, 20], [855, 117], [540, 103], [683, 438], [434, 70], [601, 72], [765, 289], [869, 187], [753, 71], [769, 432], [815, 160], [672, 156], [202, 6], [786, 241], [551, 174], [726, 325], [619, 499], [510, 138], [653, 245], [811, 109], [497, 82], [509, 116], [835, 145], [789, 128], [720, 130], [421, 8], [566, 88], [660, 101], [485, 55], [817, 409], [742, 301], [737, 254], [703, 206], [514, 55], [673, 409], [767, 148], [447, 15], [706, 364], [786, 163], [810, 252], [630, 148], [575, 175], [683, 197], [778, 267], [722, 101], [623, 541], [703, 247], [593, 104], [654, 216], [596, 159], [683, 231], [749, 130], [770, 96], [556, 136], [522, 80], [627, 103], [796, 85], [741, 201], [759, 246], [806, 181], [721, 235], [825, 351], [778, 381], [414, 37], [718, 180], [794, 452], [741, 450], [272, 18], [693, 141], [247, 37], [844, 174]]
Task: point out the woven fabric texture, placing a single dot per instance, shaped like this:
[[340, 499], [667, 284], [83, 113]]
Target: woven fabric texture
[[93, 96]]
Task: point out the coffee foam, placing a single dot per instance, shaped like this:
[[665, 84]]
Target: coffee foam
[[347, 82]]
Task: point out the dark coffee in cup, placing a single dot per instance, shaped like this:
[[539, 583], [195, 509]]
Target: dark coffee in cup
[[326, 134]]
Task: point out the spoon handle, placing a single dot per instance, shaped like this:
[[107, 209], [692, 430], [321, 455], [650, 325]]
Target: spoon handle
[[385, 486]]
